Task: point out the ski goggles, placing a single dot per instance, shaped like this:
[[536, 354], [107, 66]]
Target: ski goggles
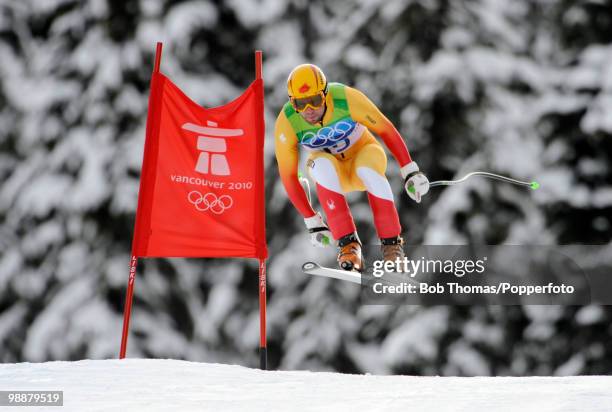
[[301, 103]]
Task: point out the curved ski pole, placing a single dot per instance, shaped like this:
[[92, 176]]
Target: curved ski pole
[[305, 185], [533, 185]]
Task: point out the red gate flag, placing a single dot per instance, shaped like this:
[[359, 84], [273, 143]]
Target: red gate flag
[[202, 192], [202, 183]]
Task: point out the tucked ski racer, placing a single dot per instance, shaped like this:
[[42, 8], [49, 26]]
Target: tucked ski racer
[[335, 122]]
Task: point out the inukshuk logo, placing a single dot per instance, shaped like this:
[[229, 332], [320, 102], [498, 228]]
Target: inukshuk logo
[[213, 147], [212, 160]]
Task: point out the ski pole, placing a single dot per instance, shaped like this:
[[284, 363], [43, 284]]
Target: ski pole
[[306, 185], [533, 185], [325, 240]]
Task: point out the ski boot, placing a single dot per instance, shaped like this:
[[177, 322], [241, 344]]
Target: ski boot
[[392, 248], [349, 254]]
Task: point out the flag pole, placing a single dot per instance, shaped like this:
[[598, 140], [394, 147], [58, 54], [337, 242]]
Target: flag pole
[[127, 310], [263, 354], [263, 351], [128, 305]]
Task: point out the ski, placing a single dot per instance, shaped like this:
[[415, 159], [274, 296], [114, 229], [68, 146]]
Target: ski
[[390, 278], [311, 268]]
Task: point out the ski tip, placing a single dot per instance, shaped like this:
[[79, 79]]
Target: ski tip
[[534, 185], [309, 266]]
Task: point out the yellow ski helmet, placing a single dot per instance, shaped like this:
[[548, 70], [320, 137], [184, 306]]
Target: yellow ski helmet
[[306, 80]]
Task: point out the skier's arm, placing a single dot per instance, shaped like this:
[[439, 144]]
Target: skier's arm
[[365, 112], [287, 157]]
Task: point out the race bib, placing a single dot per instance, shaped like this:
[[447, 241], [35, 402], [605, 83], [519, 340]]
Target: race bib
[[336, 137]]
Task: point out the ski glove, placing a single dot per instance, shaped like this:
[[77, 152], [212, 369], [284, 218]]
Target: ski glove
[[320, 236], [415, 182]]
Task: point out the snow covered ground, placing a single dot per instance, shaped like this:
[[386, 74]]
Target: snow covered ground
[[156, 384]]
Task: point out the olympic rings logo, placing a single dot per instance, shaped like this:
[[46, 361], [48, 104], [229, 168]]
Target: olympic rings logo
[[210, 201], [328, 135]]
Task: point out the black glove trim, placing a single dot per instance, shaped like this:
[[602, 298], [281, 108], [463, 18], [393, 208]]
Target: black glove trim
[[317, 229]]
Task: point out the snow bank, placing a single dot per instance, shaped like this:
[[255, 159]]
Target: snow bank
[[157, 384]]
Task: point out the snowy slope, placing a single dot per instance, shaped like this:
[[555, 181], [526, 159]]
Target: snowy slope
[[151, 385]]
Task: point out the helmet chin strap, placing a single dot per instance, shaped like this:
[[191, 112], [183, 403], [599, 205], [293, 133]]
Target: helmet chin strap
[[324, 110]]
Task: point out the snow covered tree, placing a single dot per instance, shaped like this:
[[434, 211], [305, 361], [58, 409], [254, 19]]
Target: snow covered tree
[[521, 88]]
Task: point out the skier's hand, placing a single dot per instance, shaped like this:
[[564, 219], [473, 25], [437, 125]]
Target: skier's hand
[[320, 236], [415, 182]]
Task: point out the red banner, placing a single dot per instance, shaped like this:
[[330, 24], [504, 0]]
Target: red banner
[[201, 190]]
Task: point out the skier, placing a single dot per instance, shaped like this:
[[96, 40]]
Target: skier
[[334, 123]]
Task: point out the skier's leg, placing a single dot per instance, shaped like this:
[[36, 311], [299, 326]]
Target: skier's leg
[[370, 166], [325, 171]]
